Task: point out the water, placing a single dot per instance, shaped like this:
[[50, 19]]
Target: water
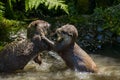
[[55, 69]]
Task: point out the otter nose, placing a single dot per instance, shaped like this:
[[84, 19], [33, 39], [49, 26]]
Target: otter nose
[[36, 37]]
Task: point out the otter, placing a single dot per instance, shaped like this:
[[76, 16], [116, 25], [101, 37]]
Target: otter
[[73, 55], [15, 55]]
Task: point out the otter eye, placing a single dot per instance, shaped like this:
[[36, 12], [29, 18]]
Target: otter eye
[[63, 32], [70, 33]]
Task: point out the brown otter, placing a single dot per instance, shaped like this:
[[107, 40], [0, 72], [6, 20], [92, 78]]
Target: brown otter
[[17, 54], [74, 56]]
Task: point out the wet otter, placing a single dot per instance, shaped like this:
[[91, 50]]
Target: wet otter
[[17, 54], [74, 56]]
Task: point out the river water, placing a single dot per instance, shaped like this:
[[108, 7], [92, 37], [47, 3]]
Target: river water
[[55, 69]]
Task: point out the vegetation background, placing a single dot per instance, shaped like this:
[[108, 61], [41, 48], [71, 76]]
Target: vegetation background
[[97, 21]]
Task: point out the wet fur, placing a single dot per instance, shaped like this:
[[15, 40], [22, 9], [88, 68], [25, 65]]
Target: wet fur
[[17, 54], [74, 56]]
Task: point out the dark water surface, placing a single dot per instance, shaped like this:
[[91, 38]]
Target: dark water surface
[[55, 69]]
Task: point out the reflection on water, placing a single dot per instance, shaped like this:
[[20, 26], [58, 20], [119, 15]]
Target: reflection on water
[[55, 69]]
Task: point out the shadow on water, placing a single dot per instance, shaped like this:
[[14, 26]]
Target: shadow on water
[[55, 69]]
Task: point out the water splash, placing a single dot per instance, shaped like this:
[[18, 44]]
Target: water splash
[[53, 69]]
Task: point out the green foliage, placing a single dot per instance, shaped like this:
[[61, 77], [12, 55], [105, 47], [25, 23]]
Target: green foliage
[[4, 32], [8, 27], [108, 18], [15, 9], [9, 12], [72, 7], [116, 2], [30, 4], [1, 10]]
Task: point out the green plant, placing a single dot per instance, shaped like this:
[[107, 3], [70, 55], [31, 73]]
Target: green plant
[[1, 10], [30, 4], [8, 27], [15, 7], [108, 18]]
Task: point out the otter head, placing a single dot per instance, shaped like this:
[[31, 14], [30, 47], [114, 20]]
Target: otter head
[[67, 33], [37, 28]]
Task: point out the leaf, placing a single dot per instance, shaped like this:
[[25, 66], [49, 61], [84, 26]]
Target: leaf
[[51, 4], [2, 8], [57, 3]]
